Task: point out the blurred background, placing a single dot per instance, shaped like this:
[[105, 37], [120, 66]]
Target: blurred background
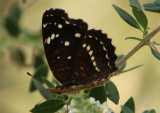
[[142, 84]]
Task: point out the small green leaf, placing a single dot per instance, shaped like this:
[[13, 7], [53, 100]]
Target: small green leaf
[[113, 92], [151, 7], [48, 83], [12, 20], [130, 69], [45, 93], [135, 3], [99, 93], [127, 17], [155, 43], [125, 109], [49, 106], [150, 111], [155, 53], [140, 17], [38, 60], [130, 104]]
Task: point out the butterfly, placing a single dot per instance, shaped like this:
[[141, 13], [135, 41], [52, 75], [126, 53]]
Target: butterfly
[[78, 58]]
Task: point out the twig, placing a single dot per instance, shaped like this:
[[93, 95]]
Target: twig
[[138, 46]]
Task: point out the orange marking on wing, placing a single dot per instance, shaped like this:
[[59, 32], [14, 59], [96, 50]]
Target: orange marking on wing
[[57, 51], [81, 68]]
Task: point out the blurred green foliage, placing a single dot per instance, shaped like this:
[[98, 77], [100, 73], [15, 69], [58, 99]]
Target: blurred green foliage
[[12, 33]]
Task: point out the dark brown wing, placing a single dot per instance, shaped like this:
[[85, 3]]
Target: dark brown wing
[[76, 55], [61, 37]]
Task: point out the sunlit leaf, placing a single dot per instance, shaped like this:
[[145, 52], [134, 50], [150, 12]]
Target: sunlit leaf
[[140, 17], [127, 17], [113, 92]]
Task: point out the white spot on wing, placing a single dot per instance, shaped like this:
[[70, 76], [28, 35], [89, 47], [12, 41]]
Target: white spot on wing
[[88, 48], [78, 35], [48, 40], [104, 48], [92, 58], [44, 25], [69, 57], [59, 26], [107, 56], [58, 57], [84, 45], [90, 53], [67, 22], [94, 63], [97, 69], [66, 43], [52, 36], [57, 35]]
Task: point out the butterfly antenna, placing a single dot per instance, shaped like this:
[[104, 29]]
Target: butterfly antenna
[[29, 74]]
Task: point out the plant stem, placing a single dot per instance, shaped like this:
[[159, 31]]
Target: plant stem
[[138, 46]]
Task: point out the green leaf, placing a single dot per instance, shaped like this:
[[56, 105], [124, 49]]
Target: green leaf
[[151, 7], [139, 39], [41, 71], [38, 60], [12, 20], [130, 104], [150, 111], [130, 69], [127, 17], [44, 92], [48, 83], [155, 43], [17, 56], [99, 93], [135, 3], [157, 2], [113, 92], [125, 109], [49, 106], [155, 53], [140, 17]]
